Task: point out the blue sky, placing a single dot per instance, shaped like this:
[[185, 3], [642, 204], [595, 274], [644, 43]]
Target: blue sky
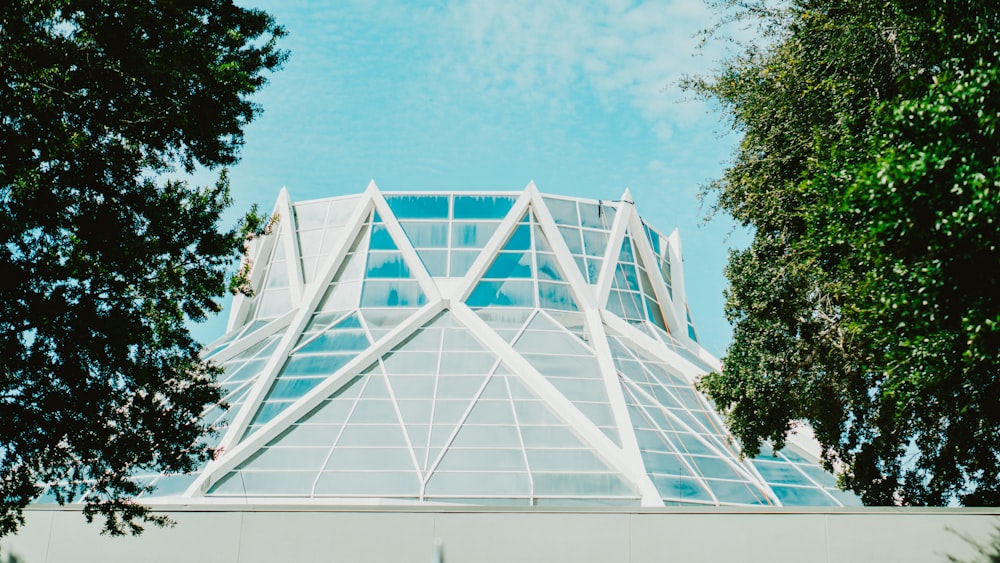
[[581, 97]]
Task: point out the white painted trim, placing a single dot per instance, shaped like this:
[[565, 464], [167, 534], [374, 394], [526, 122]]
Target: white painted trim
[[677, 286]]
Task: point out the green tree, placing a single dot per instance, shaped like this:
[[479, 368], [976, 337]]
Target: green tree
[[102, 262], [867, 302]]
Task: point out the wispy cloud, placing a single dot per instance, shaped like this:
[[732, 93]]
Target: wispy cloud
[[620, 51]]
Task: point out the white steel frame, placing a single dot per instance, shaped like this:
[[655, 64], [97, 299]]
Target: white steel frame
[[450, 294]]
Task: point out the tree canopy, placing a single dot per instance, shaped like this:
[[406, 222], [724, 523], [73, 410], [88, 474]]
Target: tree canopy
[[867, 303], [103, 262]]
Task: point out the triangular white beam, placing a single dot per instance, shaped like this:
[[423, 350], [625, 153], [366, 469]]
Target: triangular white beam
[[676, 324], [561, 406], [315, 294]]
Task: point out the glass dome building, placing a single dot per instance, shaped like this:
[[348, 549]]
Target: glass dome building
[[484, 348]]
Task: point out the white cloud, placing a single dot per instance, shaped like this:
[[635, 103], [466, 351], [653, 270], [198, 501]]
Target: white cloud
[[623, 53]]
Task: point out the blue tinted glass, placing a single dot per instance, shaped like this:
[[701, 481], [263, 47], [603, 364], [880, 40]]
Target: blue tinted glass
[[593, 269], [471, 235], [654, 239], [626, 252], [402, 293], [520, 239], [461, 261], [547, 267], [595, 242], [418, 206], [801, 496], [691, 332], [596, 216], [555, 296], [625, 277], [354, 340], [510, 265], [563, 211], [436, 261], [294, 388], [381, 240], [426, 234], [386, 265], [655, 314], [508, 294], [572, 237], [680, 488], [482, 207], [780, 472]]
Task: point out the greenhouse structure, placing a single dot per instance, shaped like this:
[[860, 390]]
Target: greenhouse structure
[[491, 348], [480, 376]]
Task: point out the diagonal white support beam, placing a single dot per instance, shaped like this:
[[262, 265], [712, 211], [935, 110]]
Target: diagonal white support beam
[[647, 258], [677, 283], [247, 447], [248, 340], [610, 264], [580, 424], [294, 261], [613, 386], [579, 286], [685, 367], [255, 397], [413, 261], [462, 290]]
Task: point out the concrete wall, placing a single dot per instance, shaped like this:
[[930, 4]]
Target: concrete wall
[[279, 534]]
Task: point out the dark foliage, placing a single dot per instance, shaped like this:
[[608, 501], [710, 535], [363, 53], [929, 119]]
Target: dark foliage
[[102, 263], [868, 302]]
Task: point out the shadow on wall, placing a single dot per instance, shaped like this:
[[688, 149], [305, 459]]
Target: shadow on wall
[[11, 558], [987, 551]]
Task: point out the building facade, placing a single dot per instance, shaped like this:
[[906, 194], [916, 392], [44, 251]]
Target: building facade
[[474, 348]]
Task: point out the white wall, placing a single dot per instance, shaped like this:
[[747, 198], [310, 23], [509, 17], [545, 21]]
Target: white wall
[[280, 534]]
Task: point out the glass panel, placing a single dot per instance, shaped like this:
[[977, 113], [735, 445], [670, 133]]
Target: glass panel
[[548, 268], [563, 211], [598, 216], [418, 206], [461, 261], [482, 207], [387, 265], [572, 237], [311, 215], [402, 293], [593, 270], [556, 296], [595, 242], [381, 239], [426, 234], [802, 496], [367, 483], [676, 488], [504, 294], [472, 235], [510, 265]]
